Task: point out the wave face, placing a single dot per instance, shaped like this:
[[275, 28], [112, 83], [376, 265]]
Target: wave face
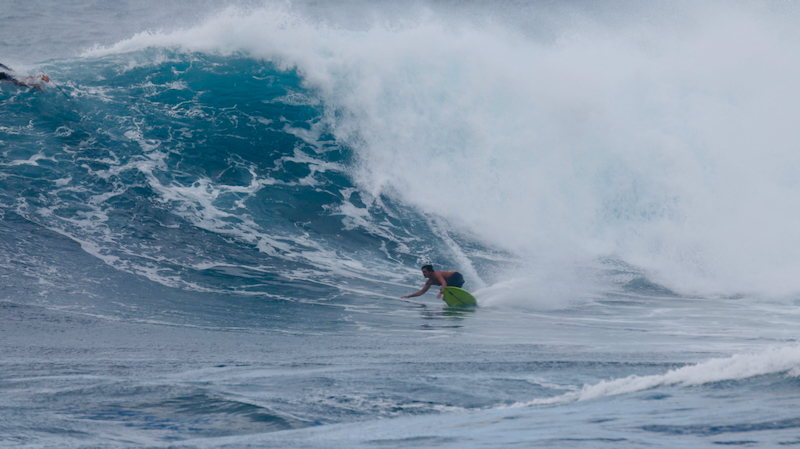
[[292, 141], [201, 172], [646, 147]]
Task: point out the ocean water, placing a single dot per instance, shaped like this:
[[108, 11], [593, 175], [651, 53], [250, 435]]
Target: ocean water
[[208, 218]]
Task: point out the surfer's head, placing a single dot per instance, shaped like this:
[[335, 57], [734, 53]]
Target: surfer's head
[[427, 270]]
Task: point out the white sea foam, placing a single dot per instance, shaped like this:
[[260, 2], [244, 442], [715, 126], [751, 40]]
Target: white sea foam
[[740, 366], [33, 160], [540, 289]]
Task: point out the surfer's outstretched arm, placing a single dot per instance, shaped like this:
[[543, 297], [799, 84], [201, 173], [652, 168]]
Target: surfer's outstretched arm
[[424, 289]]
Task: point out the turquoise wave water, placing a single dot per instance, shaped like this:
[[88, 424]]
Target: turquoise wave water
[[203, 173]]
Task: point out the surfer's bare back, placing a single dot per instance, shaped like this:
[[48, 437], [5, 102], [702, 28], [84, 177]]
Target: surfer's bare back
[[442, 278]]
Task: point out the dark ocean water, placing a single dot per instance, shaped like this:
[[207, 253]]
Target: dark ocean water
[[208, 217]]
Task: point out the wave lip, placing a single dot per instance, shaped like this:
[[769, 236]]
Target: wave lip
[[739, 366]]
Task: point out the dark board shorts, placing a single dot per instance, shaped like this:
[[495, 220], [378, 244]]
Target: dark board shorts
[[456, 280]]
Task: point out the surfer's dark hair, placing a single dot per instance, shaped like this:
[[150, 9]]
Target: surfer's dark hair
[[6, 78], [427, 267]]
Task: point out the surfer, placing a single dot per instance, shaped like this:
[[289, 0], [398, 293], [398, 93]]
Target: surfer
[[28, 81], [442, 278]]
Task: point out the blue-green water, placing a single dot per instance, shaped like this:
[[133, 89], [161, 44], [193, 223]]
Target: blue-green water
[[208, 217]]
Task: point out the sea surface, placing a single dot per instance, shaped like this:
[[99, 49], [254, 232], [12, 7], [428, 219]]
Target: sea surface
[[209, 215]]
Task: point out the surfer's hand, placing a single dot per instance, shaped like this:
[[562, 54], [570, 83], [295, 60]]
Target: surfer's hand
[[404, 297], [439, 296]]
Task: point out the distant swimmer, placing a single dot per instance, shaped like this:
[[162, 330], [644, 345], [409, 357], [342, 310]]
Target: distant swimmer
[[442, 278], [28, 81]]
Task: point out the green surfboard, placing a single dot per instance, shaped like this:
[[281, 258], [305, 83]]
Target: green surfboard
[[455, 296]]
